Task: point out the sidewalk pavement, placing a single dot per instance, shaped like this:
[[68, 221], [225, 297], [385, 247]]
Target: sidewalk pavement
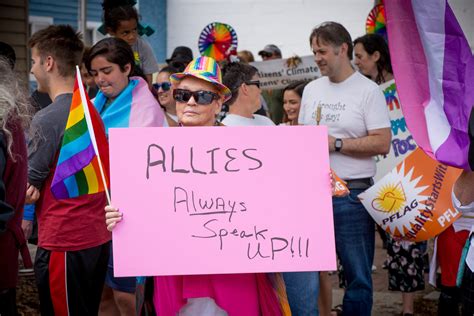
[[388, 303]]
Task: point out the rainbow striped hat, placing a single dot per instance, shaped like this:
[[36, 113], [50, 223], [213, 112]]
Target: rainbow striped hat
[[207, 69]]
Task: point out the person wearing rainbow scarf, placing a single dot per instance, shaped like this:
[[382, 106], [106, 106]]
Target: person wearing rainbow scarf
[[123, 101]]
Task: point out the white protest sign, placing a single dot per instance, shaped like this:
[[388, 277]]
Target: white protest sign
[[277, 74]]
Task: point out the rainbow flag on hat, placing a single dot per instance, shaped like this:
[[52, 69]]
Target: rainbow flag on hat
[[434, 71], [83, 163]]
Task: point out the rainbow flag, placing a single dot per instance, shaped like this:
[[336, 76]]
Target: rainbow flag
[[434, 71], [83, 164]]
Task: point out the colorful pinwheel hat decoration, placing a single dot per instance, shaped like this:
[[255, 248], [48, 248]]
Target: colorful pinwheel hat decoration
[[218, 40], [376, 21]]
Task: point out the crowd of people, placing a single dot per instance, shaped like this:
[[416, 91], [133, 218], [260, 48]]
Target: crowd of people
[[74, 266]]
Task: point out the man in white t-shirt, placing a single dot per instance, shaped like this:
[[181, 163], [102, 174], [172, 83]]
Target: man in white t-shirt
[[242, 80], [354, 110]]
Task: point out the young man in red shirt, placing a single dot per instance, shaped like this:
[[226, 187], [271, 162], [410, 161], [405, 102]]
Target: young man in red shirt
[[73, 242]]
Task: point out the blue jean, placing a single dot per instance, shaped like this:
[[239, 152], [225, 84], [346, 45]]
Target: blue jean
[[302, 289], [355, 242]]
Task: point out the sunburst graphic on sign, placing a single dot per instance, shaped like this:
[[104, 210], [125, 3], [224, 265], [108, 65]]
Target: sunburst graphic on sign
[[390, 198], [398, 201]]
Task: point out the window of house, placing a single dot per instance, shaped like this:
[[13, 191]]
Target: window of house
[[37, 23], [92, 35]]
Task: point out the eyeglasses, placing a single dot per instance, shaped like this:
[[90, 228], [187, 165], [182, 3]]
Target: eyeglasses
[[266, 55], [201, 97], [253, 82], [164, 85]]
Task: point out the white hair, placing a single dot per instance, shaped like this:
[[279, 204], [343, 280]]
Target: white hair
[[14, 104]]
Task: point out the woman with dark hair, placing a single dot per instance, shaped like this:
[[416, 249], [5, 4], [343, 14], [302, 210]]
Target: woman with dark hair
[[122, 101], [372, 57], [121, 21], [14, 119], [405, 261], [292, 95], [164, 91]]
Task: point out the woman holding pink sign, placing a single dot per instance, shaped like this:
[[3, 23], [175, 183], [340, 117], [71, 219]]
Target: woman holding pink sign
[[199, 95]]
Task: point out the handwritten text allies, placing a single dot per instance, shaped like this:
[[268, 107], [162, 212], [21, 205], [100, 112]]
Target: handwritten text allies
[[212, 161]]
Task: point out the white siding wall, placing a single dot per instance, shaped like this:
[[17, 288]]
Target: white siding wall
[[282, 22], [14, 31]]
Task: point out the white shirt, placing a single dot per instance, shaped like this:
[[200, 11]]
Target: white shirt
[[237, 120], [173, 117], [465, 221], [349, 109]]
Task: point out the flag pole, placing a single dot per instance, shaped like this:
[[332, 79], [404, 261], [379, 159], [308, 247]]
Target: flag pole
[[87, 115]]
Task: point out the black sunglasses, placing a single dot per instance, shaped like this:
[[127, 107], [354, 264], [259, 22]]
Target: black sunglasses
[[253, 82], [164, 85], [201, 97], [265, 54]]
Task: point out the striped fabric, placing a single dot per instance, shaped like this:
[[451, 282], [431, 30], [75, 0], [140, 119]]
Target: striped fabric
[[207, 69], [84, 146], [434, 72], [135, 106], [58, 282]]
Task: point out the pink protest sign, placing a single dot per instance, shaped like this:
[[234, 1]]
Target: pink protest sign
[[208, 200]]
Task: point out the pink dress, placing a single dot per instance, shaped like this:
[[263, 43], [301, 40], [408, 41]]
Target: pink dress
[[237, 294]]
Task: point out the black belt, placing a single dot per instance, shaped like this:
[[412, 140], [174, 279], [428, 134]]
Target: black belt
[[363, 183]]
